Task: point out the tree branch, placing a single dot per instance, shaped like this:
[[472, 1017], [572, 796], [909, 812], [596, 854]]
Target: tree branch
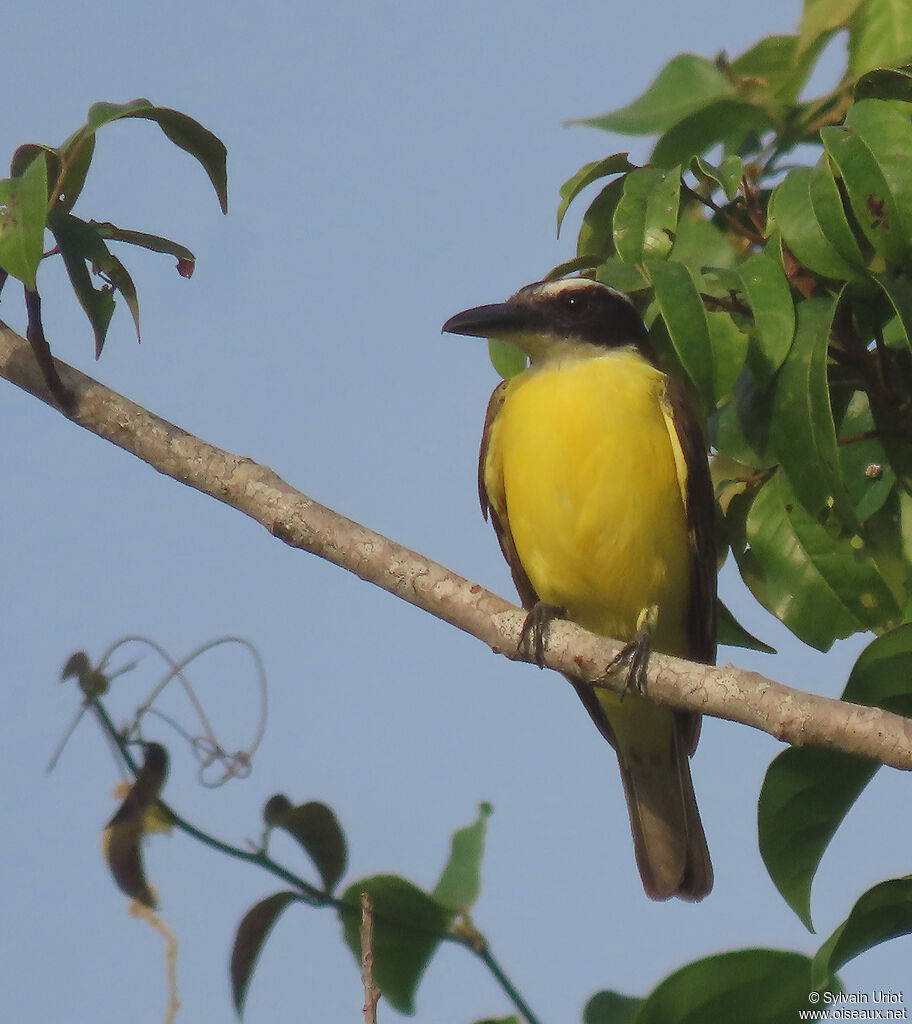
[[725, 692]]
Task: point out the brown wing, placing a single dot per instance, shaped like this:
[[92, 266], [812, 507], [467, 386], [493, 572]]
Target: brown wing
[[700, 505], [494, 506]]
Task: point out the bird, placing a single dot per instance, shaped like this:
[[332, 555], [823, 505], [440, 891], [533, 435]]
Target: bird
[[595, 476]]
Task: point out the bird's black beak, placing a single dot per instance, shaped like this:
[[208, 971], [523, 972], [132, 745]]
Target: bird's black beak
[[499, 320]]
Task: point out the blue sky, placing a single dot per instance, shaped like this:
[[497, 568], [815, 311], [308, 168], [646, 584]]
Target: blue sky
[[389, 165]]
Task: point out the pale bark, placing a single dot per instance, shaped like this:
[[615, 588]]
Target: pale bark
[[727, 692]]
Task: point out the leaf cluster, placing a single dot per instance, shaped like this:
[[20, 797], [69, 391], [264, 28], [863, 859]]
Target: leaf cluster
[[44, 184], [780, 291]]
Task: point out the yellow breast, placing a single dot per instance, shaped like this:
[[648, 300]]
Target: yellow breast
[[584, 463]]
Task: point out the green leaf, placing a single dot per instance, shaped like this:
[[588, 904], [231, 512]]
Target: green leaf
[[727, 120], [772, 983], [807, 792], [23, 209], [866, 471], [588, 173], [318, 831], [802, 433], [773, 71], [884, 912], [886, 129], [830, 215], [899, 291], [75, 160], [882, 675], [740, 425], [156, 243], [679, 302], [576, 265], [701, 245], [770, 300], [685, 85], [727, 176], [873, 204], [729, 350], [408, 927], [623, 277], [596, 234], [647, 214], [182, 130], [611, 1008], [792, 214], [80, 242], [805, 796], [506, 358], [460, 882], [732, 634], [881, 36], [822, 587], [251, 935], [822, 16]]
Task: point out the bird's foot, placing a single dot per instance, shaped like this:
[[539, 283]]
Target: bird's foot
[[532, 637], [634, 656]]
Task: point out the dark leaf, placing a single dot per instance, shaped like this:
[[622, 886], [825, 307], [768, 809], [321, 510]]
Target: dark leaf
[[252, 933], [732, 634], [124, 832], [75, 665], [611, 1008], [316, 828], [772, 983], [884, 84], [884, 912], [805, 796], [156, 243]]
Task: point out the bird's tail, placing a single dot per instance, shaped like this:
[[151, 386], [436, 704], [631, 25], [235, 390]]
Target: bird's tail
[[668, 837]]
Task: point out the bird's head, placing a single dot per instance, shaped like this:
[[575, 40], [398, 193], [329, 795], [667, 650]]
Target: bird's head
[[550, 318]]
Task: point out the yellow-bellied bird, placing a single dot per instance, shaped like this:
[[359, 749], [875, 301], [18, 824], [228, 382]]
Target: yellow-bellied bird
[[594, 472]]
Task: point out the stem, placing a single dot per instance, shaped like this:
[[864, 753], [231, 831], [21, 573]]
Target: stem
[[309, 893]]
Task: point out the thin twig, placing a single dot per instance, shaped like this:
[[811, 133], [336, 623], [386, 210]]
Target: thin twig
[[371, 992]]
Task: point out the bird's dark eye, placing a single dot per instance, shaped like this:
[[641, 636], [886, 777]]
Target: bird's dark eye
[[575, 303]]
